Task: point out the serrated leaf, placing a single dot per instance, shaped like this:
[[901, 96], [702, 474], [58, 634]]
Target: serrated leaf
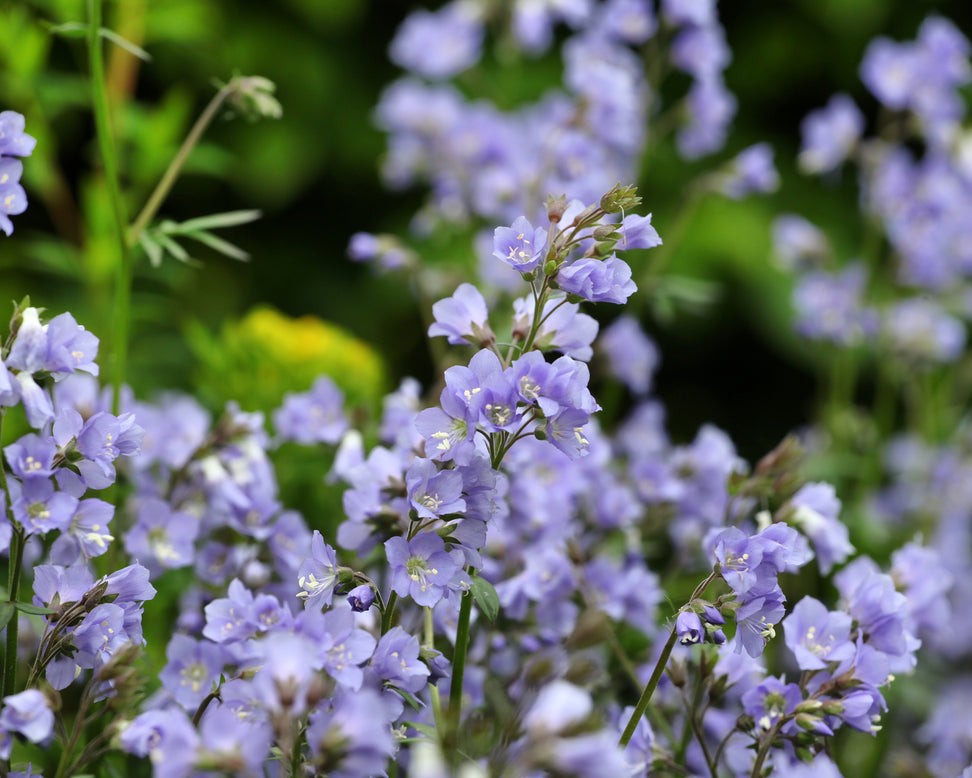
[[224, 247], [217, 220], [425, 729], [486, 597], [33, 610], [6, 613], [131, 48]]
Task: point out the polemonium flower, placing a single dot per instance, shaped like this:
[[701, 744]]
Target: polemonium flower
[[315, 416], [361, 598], [688, 627], [756, 620], [689, 12], [238, 746], [352, 734], [829, 306], [32, 455], [830, 135], [711, 108], [420, 568], [520, 245], [13, 198], [192, 668], [816, 508], [432, 492], [921, 574], [701, 51], [817, 636], [564, 328], [343, 648], [607, 280], [290, 664], [28, 352], [318, 574], [462, 318], [631, 355], [28, 713], [633, 21], [161, 537], [771, 701], [439, 44], [38, 507], [396, 660], [921, 332], [105, 437], [797, 243], [167, 738], [558, 705], [70, 347], [14, 142], [752, 171]]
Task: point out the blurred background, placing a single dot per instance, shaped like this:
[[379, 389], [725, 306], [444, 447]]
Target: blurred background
[[728, 354]]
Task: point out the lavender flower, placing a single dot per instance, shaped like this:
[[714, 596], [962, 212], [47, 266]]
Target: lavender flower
[[830, 135], [462, 318], [318, 574], [421, 568], [607, 280], [315, 416], [520, 245]]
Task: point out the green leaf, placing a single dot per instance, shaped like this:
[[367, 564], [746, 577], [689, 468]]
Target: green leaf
[[218, 244], [131, 48], [407, 697], [6, 613], [152, 249], [217, 220], [68, 29], [486, 598], [33, 610], [425, 729]]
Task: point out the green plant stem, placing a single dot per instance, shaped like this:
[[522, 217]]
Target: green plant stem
[[656, 674], [109, 161], [764, 746], [16, 557], [429, 642], [165, 184], [459, 662], [386, 615]]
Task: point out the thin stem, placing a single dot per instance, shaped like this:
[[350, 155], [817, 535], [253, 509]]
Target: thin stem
[[13, 626], [429, 642], [656, 674], [389, 610], [764, 746], [109, 160], [459, 662], [695, 722], [165, 184]]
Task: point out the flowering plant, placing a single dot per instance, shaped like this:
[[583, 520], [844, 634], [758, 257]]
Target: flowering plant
[[515, 582]]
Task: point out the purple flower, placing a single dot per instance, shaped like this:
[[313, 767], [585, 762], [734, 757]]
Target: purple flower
[[289, 665], [236, 745], [70, 347], [830, 135], [28, 713], [756, 619], [315, 416], [38, 507], [797, 243], [751, 171], [817, 636], [32, 455], [607, 281], [631, 355], [104, 438], [557, 705], [167, 737], [637, 233], [192, 668], [520, 245], [352, 734], [360, 598], [922, 333], [564, 328], [816, 510], [161, 537], [771, 701], [344, 648], [433, 493], [14, 142], [711, 108], [420, 568], [318, 574], [396, 659], [439, 44], [829, 306], [462, 318], [688, 627], [13, 198]]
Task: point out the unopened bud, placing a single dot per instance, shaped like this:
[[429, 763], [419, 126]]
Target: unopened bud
[[556, 207]]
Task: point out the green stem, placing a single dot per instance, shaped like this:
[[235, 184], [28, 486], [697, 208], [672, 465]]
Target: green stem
[[386, 614], [109, 160], [764, 746], [165, 184], [8, 681], [429, 642], [459, 663], [656, 674]]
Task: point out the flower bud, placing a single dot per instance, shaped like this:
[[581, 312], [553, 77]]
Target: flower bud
[[556, 207], [361, 597]]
